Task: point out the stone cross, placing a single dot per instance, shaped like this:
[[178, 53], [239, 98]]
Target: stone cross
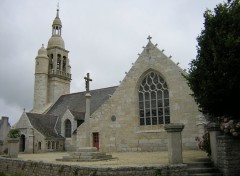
[[149, 38], [87, 80]]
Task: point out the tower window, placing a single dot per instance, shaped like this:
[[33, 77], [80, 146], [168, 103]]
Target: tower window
[[64, 63], [68, 128], [58, 62], [153, 100], [51, 61]]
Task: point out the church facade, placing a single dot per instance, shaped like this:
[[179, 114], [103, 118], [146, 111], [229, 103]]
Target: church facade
[[127, 117]]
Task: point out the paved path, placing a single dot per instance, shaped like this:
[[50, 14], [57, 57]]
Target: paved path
[[123, 158]]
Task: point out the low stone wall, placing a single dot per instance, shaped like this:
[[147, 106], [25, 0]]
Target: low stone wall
[[228, 155], [33, 168]]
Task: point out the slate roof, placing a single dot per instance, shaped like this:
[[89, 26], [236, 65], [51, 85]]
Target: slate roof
[[44, 123], [76, 103], [78, 115]]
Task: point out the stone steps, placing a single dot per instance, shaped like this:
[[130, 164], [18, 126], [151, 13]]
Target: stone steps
[[86, 154], [202, 167]]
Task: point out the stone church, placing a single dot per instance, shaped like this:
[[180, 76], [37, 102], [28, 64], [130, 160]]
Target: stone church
[[127, 117]]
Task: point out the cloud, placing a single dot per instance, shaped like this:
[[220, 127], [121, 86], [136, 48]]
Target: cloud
[[103, 38]]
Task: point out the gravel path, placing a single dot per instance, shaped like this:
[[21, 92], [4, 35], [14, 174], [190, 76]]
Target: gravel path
[[122, 158]]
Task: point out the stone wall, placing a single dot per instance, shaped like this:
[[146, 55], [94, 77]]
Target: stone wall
[[228, 154], [33, 168], [125, 132]]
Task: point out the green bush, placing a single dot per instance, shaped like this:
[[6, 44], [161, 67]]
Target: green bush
[[14, 133]]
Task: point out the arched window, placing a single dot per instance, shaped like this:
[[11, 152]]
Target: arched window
[[68, 128], [51, 62], [64, 63], [58, 62], [153, 100]]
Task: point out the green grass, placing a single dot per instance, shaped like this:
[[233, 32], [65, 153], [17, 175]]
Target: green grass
[[8, 174]]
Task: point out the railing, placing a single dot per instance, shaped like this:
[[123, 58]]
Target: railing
[[60, 74]]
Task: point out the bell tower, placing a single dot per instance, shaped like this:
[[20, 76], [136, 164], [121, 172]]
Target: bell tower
[[52, 70], [59, 75]]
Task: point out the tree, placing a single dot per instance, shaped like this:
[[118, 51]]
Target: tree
[[14, 133], [214, 76]]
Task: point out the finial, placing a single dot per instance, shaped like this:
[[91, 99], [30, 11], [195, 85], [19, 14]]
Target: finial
[[170, 57], [58, 9], [42, 45], [149, 38], [24, 109]]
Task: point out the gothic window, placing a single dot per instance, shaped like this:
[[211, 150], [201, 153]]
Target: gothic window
[[68, 128], [153, 100], [64, 63], [58, 62]]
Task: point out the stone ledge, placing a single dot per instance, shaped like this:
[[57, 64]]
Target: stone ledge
[[174, 127]]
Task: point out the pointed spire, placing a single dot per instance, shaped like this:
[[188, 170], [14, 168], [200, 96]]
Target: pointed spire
[[57, 16], [57, 21], [56, 39]]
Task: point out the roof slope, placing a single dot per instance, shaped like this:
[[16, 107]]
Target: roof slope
[[45, 124], [76, 103], [78, 115]]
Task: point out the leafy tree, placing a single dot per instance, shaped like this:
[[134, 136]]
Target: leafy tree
[[14, 133], [214, 76]]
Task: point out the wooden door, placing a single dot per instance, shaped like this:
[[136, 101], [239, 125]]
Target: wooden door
[[96, 140]]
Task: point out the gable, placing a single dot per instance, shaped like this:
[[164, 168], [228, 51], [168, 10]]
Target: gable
[[153, 60], [23, 122]]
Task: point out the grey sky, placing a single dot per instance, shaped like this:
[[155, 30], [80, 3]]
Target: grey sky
[[103, 37]]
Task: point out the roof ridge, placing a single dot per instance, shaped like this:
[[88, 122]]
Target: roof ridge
[[29, 113], [90, 90]]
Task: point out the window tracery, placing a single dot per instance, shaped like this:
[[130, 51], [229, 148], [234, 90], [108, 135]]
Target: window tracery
[[153, 100]]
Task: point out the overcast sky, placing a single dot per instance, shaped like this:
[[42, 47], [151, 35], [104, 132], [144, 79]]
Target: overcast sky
[[103, 37]]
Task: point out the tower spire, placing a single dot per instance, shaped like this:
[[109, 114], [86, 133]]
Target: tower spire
[[57, 10]]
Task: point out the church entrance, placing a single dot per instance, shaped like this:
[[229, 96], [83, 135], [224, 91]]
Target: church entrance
[[96, 140], [22, 143]]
